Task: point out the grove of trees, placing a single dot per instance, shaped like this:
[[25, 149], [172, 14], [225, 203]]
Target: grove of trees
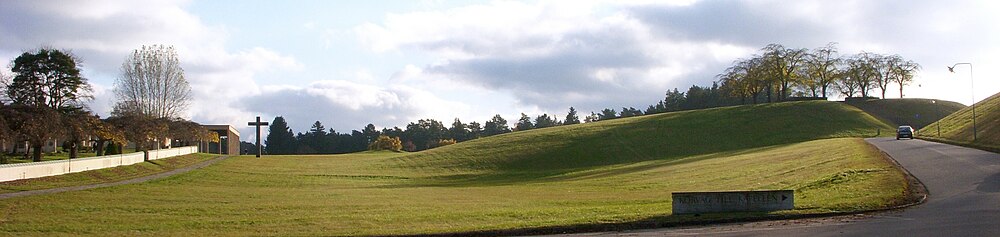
[[416, 136], [152, 95], [47, 94], [777, 73], [45, 100]]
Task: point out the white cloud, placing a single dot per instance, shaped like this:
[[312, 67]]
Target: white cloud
[[500, 57], [103, 33], [550, 55], [597, 54], [346, 105]]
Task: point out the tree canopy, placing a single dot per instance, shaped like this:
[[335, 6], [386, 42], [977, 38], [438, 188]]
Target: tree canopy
[[48, 78], [152, 83], [46, 92]]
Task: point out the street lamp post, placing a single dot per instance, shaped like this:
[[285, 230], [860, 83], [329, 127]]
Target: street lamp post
[[938, 122], [973, 85]]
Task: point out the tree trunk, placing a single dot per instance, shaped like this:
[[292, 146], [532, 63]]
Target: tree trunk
[[769, 89], [99, 147], [784, 91], [900, 91], [36, 154], [74, 148]]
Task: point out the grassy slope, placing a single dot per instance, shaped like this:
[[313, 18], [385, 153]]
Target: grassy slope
[[957, 127], [914, 112], [655, 137], [607, 172]]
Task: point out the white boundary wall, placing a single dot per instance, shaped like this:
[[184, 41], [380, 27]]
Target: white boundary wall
[[10, 172]]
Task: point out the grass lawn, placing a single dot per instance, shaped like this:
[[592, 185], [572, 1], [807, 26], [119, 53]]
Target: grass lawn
[[915, 112], [957, 127], [360, 194], [105, 175], [616, 171]]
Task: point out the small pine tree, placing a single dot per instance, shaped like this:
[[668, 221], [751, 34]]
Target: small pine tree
[[571, 117]]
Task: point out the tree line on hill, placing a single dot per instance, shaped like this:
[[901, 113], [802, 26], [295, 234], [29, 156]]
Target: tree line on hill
[[775, 74], [44, 99]]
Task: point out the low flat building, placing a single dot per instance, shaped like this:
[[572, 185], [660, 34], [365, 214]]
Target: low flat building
[[229, 140]]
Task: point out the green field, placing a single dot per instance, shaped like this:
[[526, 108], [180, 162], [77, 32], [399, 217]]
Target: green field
[[957, 127], [914, 112], [617, 171], [105, 175]]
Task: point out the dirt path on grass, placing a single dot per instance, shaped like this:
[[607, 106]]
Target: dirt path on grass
[[123, 182]]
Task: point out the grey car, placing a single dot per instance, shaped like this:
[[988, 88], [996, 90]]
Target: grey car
[[904, 132]]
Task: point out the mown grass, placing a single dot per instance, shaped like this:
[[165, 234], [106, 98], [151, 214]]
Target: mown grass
[[911, 111], [105, 175], [957, 127], [618, 171], [655, 137], [356, 195]]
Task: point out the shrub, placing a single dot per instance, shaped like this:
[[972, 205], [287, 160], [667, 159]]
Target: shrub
[[113, 149], [409, 146], [440, 143], [384, 142]]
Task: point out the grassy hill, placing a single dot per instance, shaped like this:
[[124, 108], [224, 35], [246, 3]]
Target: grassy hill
[[610, 173], [957, 127], [914, 112], [654, 137]]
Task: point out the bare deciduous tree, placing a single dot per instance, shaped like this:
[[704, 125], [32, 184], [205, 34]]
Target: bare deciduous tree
[[903, 74], [784, 66], [821, 67], [885, 68], [152, 83], [5, 80]]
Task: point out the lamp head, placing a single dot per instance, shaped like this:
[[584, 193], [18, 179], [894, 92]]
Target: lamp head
[[951, 69]]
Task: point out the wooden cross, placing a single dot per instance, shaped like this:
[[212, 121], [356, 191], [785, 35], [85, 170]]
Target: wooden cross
[[258, 124]]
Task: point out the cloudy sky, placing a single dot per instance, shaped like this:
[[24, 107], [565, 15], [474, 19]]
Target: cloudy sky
[[350, 63]]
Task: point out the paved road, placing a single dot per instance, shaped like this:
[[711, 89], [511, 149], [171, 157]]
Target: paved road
[[964, 200], [123, 182]]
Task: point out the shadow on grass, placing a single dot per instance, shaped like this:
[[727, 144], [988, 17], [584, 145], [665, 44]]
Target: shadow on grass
[[655, 222], [542, 154], [501, 178]]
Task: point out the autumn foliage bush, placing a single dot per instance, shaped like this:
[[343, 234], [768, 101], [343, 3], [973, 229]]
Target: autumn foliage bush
[[384, 142], [440, 143]]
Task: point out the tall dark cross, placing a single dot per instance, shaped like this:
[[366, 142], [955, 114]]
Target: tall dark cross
[[258, 124]]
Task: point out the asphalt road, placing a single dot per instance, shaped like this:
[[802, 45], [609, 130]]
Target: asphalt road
[[963, 187]]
